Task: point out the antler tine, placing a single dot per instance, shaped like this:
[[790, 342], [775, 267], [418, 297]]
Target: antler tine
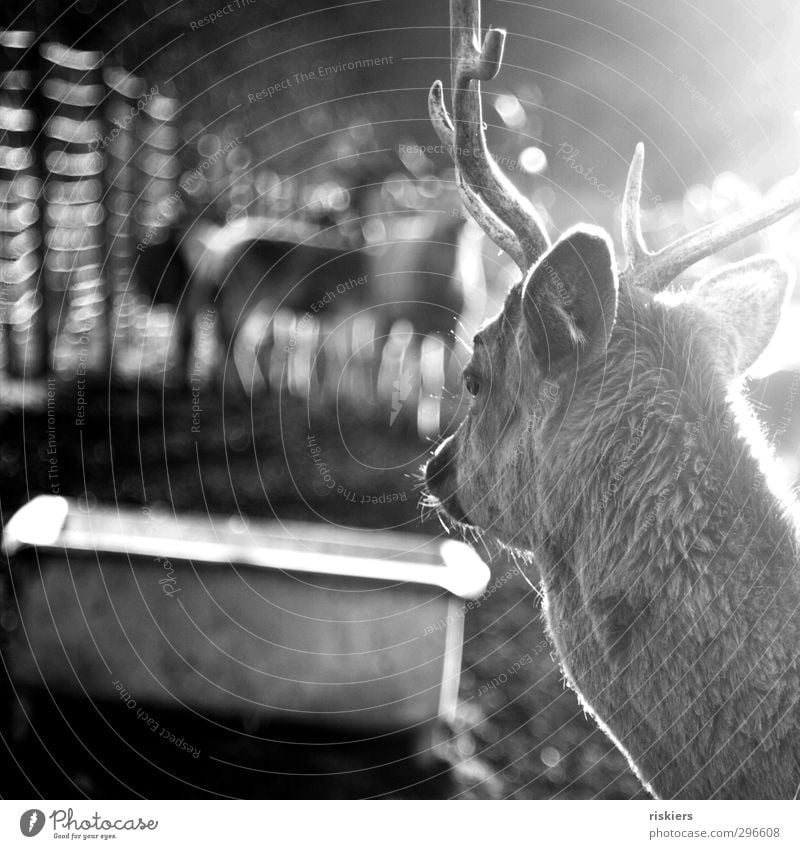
[[632, 239], [659, 269], [499, 232], [470, 65], [655, 271]]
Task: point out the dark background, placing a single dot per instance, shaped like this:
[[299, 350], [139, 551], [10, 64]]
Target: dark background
[[597, 76]]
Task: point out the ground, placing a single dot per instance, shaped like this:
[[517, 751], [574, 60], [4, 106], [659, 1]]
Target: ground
[[518, 733]]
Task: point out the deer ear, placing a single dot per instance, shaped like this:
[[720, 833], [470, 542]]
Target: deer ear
[[569, 301], [747, 299]]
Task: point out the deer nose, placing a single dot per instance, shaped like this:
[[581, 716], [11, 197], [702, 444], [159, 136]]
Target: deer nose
[[439, 468], [440, 479]]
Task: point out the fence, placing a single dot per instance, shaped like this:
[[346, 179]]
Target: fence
[[90, 176], [339, 363], [87, 157]]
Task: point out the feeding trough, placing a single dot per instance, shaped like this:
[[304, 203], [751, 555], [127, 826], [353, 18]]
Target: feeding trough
[[301, 622]]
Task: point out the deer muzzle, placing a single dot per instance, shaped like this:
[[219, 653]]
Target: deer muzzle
[[441, 481]]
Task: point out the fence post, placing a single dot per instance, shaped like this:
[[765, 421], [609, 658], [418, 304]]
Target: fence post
[[22, 317]]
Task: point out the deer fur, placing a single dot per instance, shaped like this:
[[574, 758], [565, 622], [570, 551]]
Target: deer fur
[[608, 441], [667, 548]]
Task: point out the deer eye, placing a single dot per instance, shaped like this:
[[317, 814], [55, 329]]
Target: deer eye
[[472, 384]]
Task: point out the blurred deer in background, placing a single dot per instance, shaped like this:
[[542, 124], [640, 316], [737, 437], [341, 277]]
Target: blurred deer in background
[[609, 442], [257, 265], [252, 269]]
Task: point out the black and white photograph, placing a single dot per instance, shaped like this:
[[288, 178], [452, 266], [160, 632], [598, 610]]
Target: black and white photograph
[[400, 400]]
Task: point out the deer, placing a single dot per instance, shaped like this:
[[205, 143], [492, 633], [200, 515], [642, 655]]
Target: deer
[[609, 445], [257, 266]]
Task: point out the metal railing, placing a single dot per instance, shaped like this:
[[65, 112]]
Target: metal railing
[[90, 183]]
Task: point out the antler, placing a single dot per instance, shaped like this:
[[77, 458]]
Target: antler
[[657, 270], [493, 201], [501, 234]]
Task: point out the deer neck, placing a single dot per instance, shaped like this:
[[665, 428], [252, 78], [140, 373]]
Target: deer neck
[[672, 586]]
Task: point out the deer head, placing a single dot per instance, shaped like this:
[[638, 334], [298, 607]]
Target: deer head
[[558, 327], [596, 384]]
